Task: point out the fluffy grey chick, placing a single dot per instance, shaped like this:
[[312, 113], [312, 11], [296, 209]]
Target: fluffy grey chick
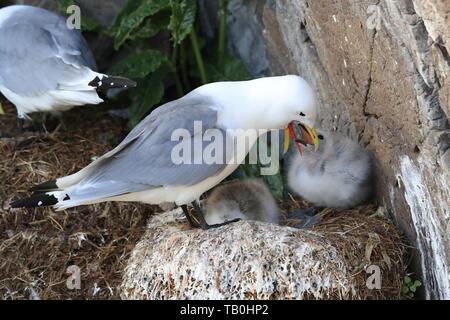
[[337, 175], [246, 200]]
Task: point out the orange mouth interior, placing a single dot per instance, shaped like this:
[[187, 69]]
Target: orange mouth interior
[[294, 137]]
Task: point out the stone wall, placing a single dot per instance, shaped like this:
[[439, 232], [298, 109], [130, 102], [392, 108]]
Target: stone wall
[[381, 69]]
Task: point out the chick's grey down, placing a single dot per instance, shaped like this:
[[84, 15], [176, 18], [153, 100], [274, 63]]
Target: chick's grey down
[[248, 199], [338, 175]]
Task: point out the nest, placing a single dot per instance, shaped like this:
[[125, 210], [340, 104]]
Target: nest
[[37, 246], [252, 260]]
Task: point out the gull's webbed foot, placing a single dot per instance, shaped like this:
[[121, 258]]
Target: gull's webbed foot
[[21, 124], [308, 217], [198, 220], [188, 216]]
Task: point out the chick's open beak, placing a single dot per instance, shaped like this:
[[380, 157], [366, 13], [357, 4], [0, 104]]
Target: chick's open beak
[[308, 136]]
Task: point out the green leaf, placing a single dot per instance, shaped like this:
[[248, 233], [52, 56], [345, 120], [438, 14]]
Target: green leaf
[[407, 280], [139, 65], [412, 289], [251, 170], [417, 283], [150, 28], [276, 184], [63, 5], [182, 19], [87, 23], [147, 95], [129, 7], [134, 16], [232, 69]]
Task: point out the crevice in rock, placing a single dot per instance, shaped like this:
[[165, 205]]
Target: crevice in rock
[[367, 114], [444, 52]]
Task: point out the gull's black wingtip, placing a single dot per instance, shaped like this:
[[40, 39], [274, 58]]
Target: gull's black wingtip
[[111, 82], [45, 187], [35, 201]]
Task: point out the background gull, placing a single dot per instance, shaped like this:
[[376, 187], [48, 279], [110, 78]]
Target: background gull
[[141, 168], [45, 66]]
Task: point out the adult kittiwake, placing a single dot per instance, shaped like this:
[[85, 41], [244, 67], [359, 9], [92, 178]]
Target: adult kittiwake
[[146, 167], [45, 66]]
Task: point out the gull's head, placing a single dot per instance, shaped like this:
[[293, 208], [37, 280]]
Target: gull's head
[[278, 101], [271, 103], [289, 99], [296, 101], [266, 103]]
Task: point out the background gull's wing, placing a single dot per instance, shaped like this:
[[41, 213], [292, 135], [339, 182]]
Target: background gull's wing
[[42, 54]]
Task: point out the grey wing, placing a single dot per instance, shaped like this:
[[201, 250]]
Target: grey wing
[[39, 53], [144, 160]]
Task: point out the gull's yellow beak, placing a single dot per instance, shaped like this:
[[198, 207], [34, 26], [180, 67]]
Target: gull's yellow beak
[[287, 140], [308, 137]]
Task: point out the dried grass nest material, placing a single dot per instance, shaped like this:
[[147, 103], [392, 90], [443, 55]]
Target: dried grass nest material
[[38, 245], [252, 260]]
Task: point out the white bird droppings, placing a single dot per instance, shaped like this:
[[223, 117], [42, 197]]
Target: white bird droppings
[[96, 289], [40, 203]]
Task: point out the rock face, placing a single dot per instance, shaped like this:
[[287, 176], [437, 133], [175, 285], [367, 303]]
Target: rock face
[[382, 72]]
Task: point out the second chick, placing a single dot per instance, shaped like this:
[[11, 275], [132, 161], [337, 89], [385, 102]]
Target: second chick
[[246, 200]]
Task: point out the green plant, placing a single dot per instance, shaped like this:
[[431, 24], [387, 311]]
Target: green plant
[[410, 287]]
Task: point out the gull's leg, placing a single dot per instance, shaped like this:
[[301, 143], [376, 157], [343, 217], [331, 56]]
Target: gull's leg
[[307, 216], [21, 123], [201, 218], [188, 216]]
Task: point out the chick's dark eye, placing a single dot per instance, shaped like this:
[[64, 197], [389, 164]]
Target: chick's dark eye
[[320, 137], [302, 114]]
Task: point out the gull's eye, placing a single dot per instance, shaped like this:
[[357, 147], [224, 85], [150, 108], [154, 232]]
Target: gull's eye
[[320, 137], [302, 114]]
